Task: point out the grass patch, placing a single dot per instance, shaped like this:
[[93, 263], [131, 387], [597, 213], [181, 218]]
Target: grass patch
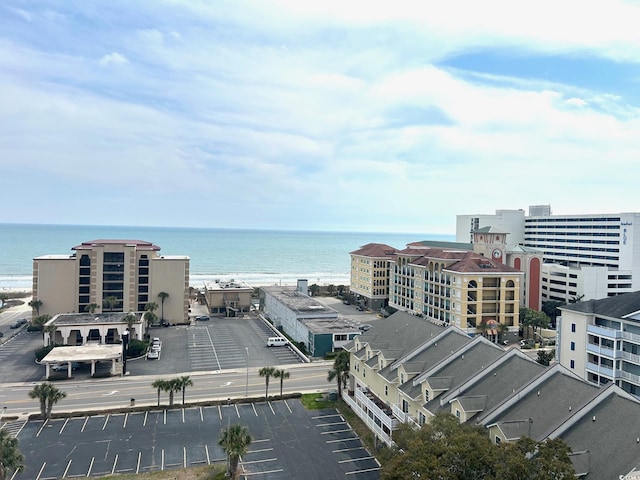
[[209, 472], [316, 401]]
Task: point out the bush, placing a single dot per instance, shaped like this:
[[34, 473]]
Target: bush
[[136, 348], [34, 328], [42, 352]]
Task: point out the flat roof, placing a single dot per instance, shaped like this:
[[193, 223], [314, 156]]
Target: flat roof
[[89, 318], [226, 285], [83, 353], [299, 302], [330, 325]]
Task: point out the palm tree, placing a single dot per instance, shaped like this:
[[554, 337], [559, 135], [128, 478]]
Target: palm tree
[[282, 375], [234, 442], [92, 307], [184, 382], [161, 385], [130, 318], [51, 330], [266, 372], [48, 395], [340, 370], [11, 460], [150, 315], [35, 304], [110, 302], [162, 296]]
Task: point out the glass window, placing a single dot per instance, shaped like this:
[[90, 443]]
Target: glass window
[[573, 327], [113, 257], [573, 364], [573, 345]]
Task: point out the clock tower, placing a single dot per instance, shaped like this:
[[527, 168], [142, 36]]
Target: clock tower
[[490, 242]]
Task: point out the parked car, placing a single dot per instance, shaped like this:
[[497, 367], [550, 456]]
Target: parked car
[[364, 327], [62, 367], [153, 354], [15, 324], [277, 342], [360, 308], [202, 318], [155, 341]]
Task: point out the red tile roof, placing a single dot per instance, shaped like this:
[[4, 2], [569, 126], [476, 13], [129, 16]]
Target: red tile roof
[[377, 250]]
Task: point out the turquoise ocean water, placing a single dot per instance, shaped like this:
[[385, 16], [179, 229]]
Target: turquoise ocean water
[[258, 257]]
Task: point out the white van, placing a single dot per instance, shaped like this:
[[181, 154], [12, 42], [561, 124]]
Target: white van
[[277, 342]]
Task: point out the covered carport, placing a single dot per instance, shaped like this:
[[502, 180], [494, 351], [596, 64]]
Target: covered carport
[[91, 353]]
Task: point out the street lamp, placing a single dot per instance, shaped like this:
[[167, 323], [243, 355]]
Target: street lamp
[[246, 388], [125, 343], [228, 437]]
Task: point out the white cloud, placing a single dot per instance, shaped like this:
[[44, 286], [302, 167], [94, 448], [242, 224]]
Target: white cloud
[[113, 58]]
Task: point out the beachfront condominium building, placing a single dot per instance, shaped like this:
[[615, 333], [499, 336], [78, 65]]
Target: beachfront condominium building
[[113, 276], [452, 286], [370, 274], [585, 256], [228, 298], [599, 340]]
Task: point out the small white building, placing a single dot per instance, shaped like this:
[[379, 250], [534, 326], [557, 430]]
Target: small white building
[[85, 328]]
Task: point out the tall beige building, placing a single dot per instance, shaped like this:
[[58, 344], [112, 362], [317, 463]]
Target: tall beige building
[[370, 274], [131, 271]]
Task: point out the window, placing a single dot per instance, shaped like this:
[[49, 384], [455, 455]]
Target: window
[[573, 346], [573, 327], [386, 390], [426, 396], [498, 440], [573, 364]]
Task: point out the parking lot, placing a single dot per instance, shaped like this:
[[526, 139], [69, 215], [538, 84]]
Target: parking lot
[[288, 442], [218, 344]]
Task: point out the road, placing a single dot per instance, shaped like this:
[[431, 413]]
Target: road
[[116, 393], [10, 315]]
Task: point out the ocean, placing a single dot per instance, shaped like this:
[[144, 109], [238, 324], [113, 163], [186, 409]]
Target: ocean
[[258, 257]]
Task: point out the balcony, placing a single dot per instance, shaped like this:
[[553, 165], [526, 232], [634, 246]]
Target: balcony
[[374, 412], [630, 357], [607, 332], [600, 370], [603, 351]]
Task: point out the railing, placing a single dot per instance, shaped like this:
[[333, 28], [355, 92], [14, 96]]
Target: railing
[[599, 369], [371, 415], [629, 376], [605, 332], [630, 357], [600, 350], [631, 336]]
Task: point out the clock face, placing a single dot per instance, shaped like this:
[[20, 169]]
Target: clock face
[[496, 253]]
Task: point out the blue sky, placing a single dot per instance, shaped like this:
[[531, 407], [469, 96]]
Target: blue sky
[[334, 115]]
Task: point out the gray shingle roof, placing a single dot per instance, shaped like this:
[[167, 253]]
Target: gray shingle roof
[[398, 334], [473, 404], [499, 381], [549, 400], [616, 307], [608, 429]]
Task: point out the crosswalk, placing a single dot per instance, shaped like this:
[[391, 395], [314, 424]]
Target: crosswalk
[[202, 352], [13, 427]]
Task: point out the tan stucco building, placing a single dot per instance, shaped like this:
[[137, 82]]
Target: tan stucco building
[[131, 271], [228, 298]]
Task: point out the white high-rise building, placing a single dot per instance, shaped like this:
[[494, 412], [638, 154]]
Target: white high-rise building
[[585, 256]]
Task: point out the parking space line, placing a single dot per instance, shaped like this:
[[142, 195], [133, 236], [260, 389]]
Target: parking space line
[[183, 415], [201, 415], [254, 408], [214, 349], [263, 440], [63, 425], [342, 440], [366, 470], [165, 416], [248, 474], [260, 450], [206, 450], [144, 424], [237, 411], [335, 431], [329, 424], [272, 411], [288, 407], [326, 416], [115, 461], [64, 475], [85, 423], [162, 460], [347, 449], [219, 412], [41, 469], [90, 466], [184, 457], [354, 459], [138, 464], [126, 417], [106, 419], [259, 461], [43, 424]]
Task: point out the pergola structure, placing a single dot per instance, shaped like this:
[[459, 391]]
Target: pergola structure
[[91, 353]]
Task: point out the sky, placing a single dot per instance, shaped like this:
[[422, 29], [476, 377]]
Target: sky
[[336, 115]]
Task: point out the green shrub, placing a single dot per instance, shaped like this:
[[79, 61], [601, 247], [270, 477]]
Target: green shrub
[[42, 352], [136, 348]]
